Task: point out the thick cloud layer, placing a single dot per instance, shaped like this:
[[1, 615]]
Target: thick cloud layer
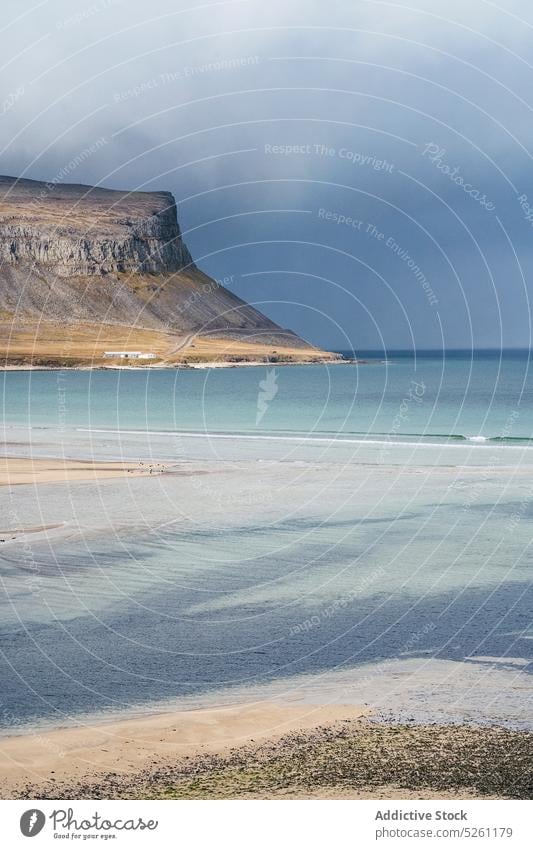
[[360, 170]]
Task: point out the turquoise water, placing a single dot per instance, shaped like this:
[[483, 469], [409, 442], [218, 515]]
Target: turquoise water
[[426, 396], [311, 520]]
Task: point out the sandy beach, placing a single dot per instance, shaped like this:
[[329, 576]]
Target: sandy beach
[[15, 471], [126, 747], [266, 750]]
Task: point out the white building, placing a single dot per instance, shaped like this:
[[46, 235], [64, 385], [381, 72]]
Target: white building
[[128, 355]]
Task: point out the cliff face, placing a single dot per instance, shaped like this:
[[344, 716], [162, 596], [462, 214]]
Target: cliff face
[[80, 230], [75, 256]]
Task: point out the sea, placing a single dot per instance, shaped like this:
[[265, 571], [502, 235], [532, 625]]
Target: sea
[[358, 533]]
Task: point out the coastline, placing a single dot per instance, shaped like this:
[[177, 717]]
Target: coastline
[[213, 750], [215, 364], [124, 747], [267, 750]]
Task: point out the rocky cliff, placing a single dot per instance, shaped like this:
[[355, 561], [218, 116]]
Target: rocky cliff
[[80, 230], [78, 255]]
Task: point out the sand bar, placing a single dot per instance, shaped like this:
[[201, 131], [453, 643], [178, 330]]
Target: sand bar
[[16, 471]]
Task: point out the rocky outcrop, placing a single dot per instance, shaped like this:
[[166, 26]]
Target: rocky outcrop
[[80, 230]]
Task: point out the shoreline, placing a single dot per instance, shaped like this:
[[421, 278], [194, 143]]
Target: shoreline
[[179, 752], [215, 364], [267, 750], [125, 747]]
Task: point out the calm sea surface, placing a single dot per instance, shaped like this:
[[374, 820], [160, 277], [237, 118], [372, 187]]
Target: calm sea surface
[[455, 395], [313, 519]]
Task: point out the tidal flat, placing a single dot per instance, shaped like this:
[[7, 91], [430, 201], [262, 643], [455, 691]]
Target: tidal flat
[[386, 571]]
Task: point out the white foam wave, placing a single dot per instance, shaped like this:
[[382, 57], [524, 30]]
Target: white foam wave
[[337, 439]]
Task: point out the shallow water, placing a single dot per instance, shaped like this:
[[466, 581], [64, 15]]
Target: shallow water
[[273, 552]]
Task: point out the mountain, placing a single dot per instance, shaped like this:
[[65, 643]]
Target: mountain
[[85, 272]]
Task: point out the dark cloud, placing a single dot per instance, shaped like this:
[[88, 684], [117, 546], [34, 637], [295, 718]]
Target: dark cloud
[[279, 125]]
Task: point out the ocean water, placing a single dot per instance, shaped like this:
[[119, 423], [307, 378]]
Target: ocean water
[[357, 530], [452, 395]]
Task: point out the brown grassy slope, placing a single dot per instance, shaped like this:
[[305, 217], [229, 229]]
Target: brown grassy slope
[[45, 343]]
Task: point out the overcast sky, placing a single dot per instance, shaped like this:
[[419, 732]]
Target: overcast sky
[[361, 171]]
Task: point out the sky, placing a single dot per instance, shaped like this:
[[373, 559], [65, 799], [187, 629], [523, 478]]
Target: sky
[[360, 170]]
